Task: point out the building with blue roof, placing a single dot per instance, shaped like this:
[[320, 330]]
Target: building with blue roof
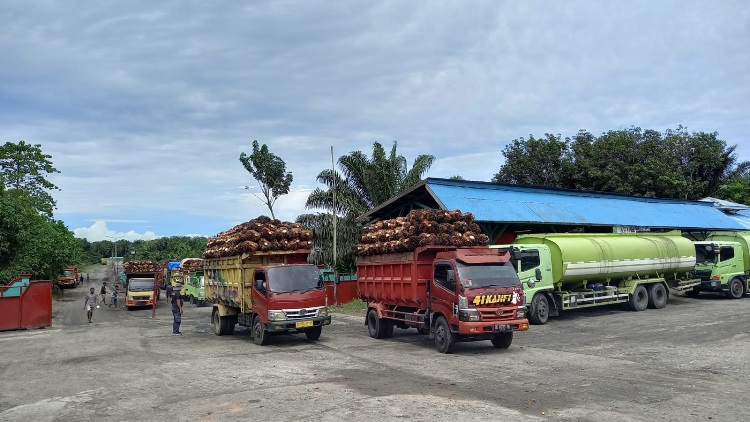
[[505, 210]]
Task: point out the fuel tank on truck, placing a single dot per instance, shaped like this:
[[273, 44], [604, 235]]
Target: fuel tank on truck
[[743, 238], [579, 257]]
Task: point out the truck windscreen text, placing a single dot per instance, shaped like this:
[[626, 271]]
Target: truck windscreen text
[[293, 279], [486, 275]]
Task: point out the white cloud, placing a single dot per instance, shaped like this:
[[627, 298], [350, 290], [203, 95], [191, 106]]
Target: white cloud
[[99, 231]]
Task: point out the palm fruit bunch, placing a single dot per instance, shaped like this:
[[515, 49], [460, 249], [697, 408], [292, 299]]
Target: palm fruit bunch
[[191, 264], [140, 266], [260, 234]]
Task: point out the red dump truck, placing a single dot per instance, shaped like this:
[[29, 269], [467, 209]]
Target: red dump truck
[[454, 294], [271, 292]]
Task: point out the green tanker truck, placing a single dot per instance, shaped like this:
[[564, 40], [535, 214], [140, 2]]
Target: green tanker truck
[[723, 264], [580, 270]]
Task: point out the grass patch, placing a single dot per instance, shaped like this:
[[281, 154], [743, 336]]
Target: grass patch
[[355, 307]]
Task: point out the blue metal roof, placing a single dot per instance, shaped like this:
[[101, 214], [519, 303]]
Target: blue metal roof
[[742, 218], [491, 202]]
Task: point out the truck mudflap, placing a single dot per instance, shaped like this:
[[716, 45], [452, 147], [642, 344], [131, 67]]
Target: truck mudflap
[[479, 328], [297, 325]]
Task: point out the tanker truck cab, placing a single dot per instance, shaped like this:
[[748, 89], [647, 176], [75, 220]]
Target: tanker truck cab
[[720, 265], [534, 266], [287, 299]]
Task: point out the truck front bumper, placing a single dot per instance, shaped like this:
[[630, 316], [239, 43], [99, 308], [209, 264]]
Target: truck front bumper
[[492, 327], [712, 286], [297, 325]]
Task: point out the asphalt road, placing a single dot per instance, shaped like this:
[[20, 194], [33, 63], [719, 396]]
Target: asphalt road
[[687, 362]]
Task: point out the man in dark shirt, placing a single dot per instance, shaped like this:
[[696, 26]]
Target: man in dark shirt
[[169, 291], [176, 309]]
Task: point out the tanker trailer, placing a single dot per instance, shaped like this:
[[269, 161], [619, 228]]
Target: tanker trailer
[[723, 264], [582, 270]]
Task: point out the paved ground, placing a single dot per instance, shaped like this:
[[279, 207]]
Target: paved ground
[[688, 362]]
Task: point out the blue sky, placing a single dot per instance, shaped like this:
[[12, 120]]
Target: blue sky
[[145, 106]]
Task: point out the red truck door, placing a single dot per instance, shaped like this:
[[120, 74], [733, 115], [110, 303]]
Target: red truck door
[[260, 295], [443, 297]]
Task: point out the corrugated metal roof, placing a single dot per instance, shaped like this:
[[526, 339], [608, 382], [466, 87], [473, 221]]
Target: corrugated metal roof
[[742, 218], [724, 205], [492, 202]]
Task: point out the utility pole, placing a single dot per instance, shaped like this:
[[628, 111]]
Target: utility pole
[[335, 251]]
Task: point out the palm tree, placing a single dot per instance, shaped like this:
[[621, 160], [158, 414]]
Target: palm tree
[[362, 184]]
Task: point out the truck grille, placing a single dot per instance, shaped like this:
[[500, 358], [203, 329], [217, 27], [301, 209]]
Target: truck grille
[[300, 313], [497, 314]]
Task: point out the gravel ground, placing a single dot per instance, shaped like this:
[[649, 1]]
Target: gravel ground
[[687, 362]]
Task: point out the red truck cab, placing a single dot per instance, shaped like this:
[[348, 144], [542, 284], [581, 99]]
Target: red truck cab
[[455, 294]]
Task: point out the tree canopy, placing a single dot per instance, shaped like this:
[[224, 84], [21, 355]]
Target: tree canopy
[[23, 167], [270, 172], [633, 161], [361, 184]]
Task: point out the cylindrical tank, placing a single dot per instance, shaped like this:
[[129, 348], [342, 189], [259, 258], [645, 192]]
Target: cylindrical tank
[[579, 257], [743, 238]]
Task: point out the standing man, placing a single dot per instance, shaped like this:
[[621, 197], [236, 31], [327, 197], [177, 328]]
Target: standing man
[[89, 303], [169, 291], [176, 310], [103, 292]]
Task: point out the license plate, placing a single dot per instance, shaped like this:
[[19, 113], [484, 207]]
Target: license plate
[[303, 324], [502, 327]]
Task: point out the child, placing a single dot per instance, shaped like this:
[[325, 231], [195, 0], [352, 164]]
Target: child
[[114, 297]]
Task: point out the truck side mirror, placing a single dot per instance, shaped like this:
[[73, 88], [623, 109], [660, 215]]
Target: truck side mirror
[[538, 274]]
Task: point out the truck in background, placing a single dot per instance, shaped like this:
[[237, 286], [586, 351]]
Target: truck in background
[[69, 277], [141, 283], [103, 261], [454, 294], [167, 273], [580, 270], [271, 292], [723, 264], [194, 289]]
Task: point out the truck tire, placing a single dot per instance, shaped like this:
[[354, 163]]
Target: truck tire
[[378, 327], [503, 340], [445, 341], [539, 309], [192, 299], [736, 288], [694, 292], [219, 327], [657, 296], [313, 333], [639, 299], [231, 321], [260, 335]]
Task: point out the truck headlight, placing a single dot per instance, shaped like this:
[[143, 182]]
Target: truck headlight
[[323, 312], [130, 298], [521, 312], [276, 316], [470, 315]]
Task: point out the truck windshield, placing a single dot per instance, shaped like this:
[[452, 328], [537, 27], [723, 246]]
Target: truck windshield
[[293, 278], [703, 256], [68, 273], [140, 285], [486, 275]]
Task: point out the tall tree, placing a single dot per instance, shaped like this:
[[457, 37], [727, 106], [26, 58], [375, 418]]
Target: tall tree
[[535, 161], [362, 183], [270, 172], [24, 167]]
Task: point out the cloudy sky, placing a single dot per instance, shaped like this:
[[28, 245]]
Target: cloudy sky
[[146, 106]]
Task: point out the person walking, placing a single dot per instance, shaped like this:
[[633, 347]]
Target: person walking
[[103, 292], [114, 297], [176, 310], [89, 303], [87, 277]]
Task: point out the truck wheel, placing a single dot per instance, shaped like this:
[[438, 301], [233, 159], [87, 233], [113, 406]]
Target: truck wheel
[[219, 328], [445, 341], [314, 333], [639, 299], [539, 309], [230, 322], [503, 340], [378, 327], [657, 296], [736, 289], [694, 292], [260, 335]]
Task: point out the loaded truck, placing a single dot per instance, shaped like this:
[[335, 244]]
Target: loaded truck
[[167, 273], [453, 293], [271, 292], [142, 289], [723, 264], [582, 270], [194, 288], [68, 278]]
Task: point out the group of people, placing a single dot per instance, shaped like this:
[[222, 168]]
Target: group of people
[[91, 302]]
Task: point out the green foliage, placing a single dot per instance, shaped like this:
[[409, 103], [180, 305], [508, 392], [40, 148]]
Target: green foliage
[[23, 167], [161, 249], [362, 184], [355, 307], [633, 161], [737, 186], [270, 172]]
